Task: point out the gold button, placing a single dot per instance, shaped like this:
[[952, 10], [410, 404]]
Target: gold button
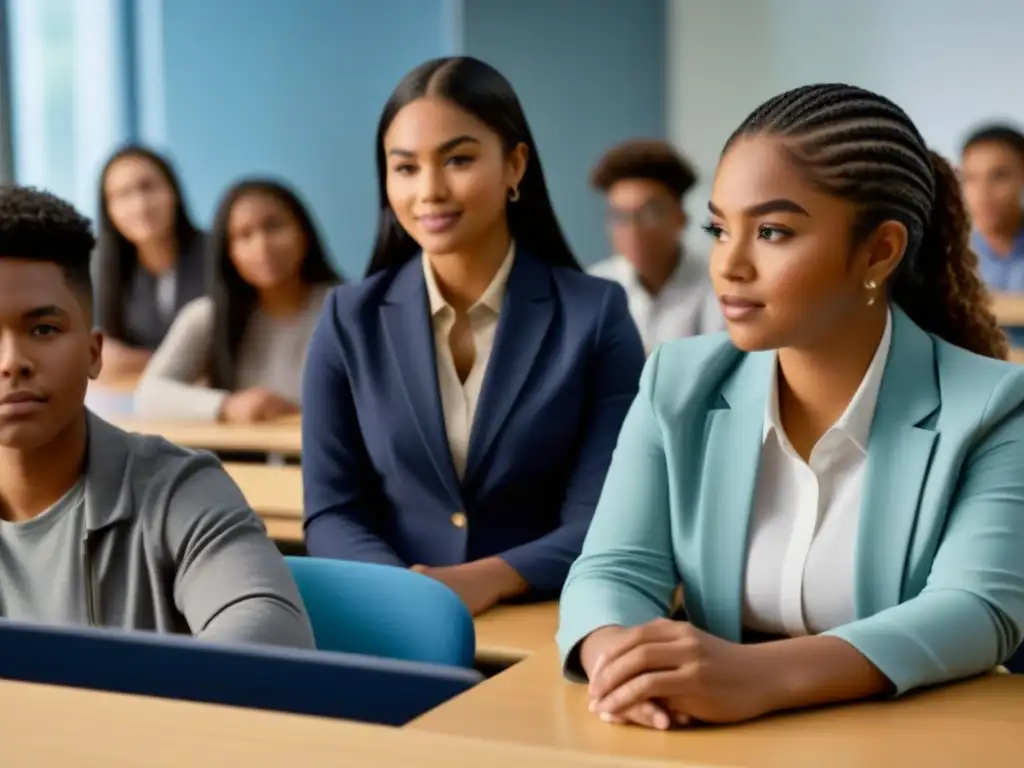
[[459, 520]]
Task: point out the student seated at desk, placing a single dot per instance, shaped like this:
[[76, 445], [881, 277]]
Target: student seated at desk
[[840, 476], [461, 404], [97, 526], [149, 259], [248, 338]]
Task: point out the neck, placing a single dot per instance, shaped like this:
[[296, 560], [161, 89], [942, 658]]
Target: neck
[[817, 382], [285, 299], [159, 255], [33, 481], [655, 276], [463, 276], [1001, 238]]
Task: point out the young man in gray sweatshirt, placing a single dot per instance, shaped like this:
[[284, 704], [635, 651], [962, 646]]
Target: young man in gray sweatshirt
[[98, 526]]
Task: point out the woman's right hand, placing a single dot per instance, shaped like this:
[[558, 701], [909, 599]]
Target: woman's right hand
[[592, 652], [248, 406]]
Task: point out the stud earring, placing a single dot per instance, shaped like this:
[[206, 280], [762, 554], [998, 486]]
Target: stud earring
[[513, 195], [871, 286]]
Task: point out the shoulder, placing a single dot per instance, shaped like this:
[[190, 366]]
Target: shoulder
[[350, 300], [575, 286], [977, 388], [197, 312], [694, 367]]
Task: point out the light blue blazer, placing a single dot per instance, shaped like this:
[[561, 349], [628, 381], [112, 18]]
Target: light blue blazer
[[939, 582]]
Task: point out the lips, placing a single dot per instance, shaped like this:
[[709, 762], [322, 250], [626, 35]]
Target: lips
[[439, 222], [738, 308], [15, 404]]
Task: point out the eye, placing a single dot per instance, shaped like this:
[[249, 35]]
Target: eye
[[772, 234], [405, 169], [44, 329], [460, 161], [713, 230]]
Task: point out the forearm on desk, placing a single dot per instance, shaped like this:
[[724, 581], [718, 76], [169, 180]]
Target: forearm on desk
[[815, 670], [336, 535]]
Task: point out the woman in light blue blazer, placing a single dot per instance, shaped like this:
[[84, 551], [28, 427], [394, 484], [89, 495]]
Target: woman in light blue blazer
[[842, 476]]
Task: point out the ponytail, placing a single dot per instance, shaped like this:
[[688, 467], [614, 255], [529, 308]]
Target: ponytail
[[940, 289]]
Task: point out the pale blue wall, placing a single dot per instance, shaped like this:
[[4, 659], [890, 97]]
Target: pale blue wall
[[590, 73], [286, 87]]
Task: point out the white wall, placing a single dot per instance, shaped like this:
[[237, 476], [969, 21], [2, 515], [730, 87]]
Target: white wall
[[949, 63]]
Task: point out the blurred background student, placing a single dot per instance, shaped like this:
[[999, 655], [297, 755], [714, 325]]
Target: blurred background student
[[462, 403], [669, 291], [237, 355], [149, 258]]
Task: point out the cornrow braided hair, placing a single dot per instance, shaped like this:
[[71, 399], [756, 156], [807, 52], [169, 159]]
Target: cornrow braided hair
[[861, 147]]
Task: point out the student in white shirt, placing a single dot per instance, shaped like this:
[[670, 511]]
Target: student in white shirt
[[840, 478], [669, 290]]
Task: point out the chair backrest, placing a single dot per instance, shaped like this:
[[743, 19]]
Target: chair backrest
[[338, 685], [381, 610]]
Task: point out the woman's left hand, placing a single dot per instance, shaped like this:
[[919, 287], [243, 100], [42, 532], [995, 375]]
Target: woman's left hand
[[480, 584], [689, 673]]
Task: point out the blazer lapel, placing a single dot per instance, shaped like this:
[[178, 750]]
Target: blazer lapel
[[405, 316], [733, 453], [526, 313], [899, 453]]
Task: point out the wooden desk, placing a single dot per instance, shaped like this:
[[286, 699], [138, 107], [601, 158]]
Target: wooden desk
[[47, 725], [980, 722], [275, 494], [510, 633], [282, 437], [1008, 308]]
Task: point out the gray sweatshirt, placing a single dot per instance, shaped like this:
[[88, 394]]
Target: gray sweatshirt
[[156, 537]]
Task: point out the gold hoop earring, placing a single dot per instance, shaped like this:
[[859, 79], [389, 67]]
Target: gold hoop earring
[[513, 195], [871, 286]]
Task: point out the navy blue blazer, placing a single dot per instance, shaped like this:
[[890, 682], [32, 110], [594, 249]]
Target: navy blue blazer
[[379, 481]]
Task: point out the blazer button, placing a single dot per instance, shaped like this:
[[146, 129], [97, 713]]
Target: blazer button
[[459, 520]]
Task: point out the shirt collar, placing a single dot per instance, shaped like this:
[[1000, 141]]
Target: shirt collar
[[491, 298], [981, 247], [856, 420], [674, 280]]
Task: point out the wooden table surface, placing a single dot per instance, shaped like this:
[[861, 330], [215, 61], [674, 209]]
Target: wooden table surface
[[52, 726], [275, 494], [1008, 308], [281, 437], [979, 722], [509, 633]]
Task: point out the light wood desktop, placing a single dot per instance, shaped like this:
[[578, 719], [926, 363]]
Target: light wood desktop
[[1008, 308], [509, 633], [979, 722], [277, 437], [48, 725], [275, 494]]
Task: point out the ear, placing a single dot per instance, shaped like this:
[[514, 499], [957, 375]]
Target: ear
[[515, 165], [885, 250], [95, 354]]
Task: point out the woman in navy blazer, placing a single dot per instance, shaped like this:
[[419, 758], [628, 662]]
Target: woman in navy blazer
[[460, 406], [837, 485]]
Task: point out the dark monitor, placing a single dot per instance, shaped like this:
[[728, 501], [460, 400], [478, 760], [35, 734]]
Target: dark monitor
[[349, 686]]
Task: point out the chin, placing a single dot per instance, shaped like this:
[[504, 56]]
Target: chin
[[748, 339], [23, 435]]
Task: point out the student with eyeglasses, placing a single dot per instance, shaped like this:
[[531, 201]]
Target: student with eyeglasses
[[669, 291]]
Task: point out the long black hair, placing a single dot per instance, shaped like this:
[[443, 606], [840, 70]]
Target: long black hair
[[116, 259], [482, 91], [234, 300], [861, 147]]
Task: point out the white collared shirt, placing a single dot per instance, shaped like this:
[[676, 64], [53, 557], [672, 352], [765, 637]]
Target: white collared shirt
[[800, 557], [459, 399], [685, 306]]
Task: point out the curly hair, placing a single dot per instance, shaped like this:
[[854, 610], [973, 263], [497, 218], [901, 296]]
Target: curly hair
[[38, 226], [861, 147], [644, 159]]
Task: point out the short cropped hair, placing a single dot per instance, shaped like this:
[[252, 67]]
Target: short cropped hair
[[649, 159], [38, 226], [996, 133]]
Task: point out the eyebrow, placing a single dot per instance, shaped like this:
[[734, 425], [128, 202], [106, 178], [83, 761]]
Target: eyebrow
[[779, 205], [448, 146], [48, 310]]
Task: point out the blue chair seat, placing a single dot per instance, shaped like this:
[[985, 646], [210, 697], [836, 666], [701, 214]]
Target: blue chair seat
[[380, 610]]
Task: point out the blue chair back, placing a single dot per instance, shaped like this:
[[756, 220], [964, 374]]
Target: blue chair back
[[381, 610], [349, 687]]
